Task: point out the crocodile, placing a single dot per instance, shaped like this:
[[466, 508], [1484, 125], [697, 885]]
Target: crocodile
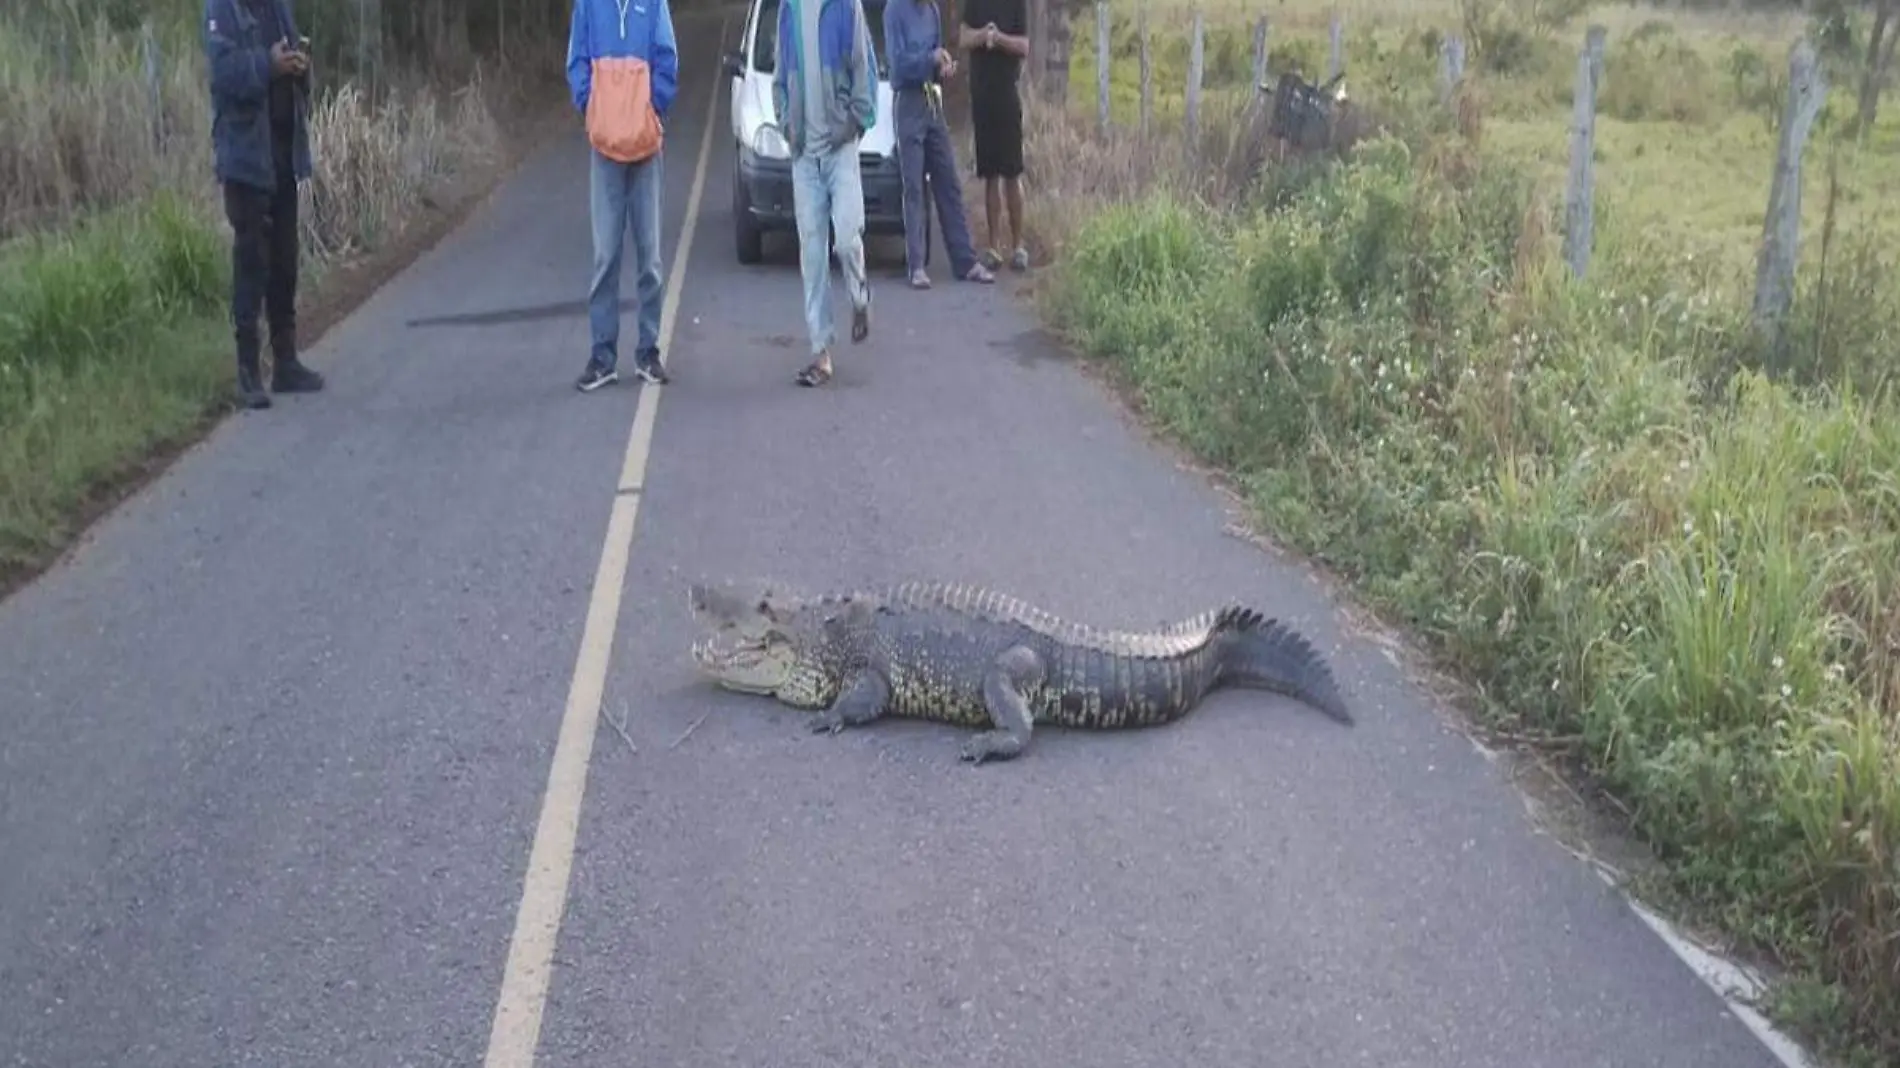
[[970, 656]]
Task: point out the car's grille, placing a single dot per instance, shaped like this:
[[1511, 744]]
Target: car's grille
[[870, 161]]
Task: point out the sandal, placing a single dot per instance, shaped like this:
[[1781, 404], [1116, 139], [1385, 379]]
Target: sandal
[[814, 374]]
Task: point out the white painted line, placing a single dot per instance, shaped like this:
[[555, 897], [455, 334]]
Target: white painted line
[[1731, 982], [516, 1030]]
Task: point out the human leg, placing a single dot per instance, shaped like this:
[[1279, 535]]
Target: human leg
[[643, 217], [1006, 162], [811, 206], [983, 130], [912, 119], [607, 210], [947, 188], [992, 220], [288, 373], [245, 209], [1014, 198], [847, 221]]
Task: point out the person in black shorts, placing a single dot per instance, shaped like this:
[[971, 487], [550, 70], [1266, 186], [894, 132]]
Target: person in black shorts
[[996, 33]]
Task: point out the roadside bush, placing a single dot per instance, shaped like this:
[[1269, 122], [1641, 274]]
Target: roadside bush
[[1679, 568]]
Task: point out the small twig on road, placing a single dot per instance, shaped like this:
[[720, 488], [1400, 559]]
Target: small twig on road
[[689, 731], [620, 726]]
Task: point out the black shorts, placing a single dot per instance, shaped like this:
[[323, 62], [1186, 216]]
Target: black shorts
[[996, 120]]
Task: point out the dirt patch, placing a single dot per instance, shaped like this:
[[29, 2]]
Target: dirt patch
[[526, 124]]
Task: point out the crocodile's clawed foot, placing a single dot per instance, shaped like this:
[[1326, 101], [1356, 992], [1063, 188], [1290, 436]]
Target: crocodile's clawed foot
[[827, 722], [981, 748]]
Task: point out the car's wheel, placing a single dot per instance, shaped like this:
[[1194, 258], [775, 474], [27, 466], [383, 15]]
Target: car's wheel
[[748, 240]]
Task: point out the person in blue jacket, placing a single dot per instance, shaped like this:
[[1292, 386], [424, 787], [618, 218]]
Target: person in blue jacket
[[260, 86], [824, 92], [913, 32], [623, 195]]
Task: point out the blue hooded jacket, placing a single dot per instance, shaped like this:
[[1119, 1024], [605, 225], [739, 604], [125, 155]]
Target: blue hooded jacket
[[848, 63], [639, 29], [239, 60]]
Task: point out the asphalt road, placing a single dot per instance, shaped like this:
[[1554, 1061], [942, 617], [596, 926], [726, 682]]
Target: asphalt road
[[273, 746]]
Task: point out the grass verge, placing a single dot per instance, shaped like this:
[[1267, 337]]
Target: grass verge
[[1661, 550]]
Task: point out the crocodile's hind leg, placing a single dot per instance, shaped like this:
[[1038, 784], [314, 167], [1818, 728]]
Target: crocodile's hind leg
[[1014, 672], [863, 701]]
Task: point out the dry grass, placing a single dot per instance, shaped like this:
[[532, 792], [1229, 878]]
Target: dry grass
[[1603, 503]]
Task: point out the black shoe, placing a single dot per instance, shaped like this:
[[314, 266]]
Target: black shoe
[[291, 376], [596, 376], [250, 392], [648, 366]]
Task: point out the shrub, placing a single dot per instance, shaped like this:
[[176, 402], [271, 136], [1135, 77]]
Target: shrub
[[1639, 536]]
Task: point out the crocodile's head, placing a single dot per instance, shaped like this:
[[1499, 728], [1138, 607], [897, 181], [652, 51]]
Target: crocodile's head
[[761, 638]]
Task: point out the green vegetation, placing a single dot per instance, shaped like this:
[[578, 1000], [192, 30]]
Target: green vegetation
[[114, 254], [111, 342], [1665, 548]]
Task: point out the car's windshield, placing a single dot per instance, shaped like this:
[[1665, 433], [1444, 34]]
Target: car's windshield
[[764, 49]]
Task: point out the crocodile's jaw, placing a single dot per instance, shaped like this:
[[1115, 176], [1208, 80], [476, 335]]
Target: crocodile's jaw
[[754, 667]]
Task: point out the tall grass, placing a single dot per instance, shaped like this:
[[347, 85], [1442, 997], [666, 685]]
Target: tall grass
[[114, 254], [1668, 553]]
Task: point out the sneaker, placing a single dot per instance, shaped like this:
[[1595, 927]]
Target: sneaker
[[860, 323], [1020, 261], [648, 366], [990, 259], [291, 376], [596, 376]]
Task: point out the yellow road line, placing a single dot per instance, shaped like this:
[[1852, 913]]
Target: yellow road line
[[524, 985]]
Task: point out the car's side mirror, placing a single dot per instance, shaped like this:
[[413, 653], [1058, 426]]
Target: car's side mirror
[[735, 64]]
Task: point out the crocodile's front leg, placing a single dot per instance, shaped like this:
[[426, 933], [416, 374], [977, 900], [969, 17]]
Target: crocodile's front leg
[[1014, 672], [861, 702]]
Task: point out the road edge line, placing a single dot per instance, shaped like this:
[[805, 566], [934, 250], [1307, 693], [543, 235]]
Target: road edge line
[[515, 1031]]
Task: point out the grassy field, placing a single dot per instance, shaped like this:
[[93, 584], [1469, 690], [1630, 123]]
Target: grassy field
[[114, 255], [1661, 549]]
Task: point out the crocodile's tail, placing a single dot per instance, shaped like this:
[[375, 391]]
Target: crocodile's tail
[[1266, 654]]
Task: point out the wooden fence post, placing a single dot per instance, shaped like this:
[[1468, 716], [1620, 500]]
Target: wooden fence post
[[1196, 47], [1580, 194], [1147, 73], [1336, 47], [1451, 54], [1101, 64], [1259, 54], [1781, 226]]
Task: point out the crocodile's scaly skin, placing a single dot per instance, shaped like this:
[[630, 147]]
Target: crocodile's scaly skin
[[977, 658]]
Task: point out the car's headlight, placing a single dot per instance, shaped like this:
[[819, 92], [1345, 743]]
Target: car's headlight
[[768, 142]]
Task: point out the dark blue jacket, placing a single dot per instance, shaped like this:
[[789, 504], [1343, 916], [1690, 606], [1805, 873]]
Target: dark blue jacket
[[239, 59], [912, 32]]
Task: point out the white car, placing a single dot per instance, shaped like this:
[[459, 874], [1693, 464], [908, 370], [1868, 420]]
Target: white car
[[762, 178]]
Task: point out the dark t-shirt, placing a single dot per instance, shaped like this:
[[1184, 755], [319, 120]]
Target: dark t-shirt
[[992, 69]]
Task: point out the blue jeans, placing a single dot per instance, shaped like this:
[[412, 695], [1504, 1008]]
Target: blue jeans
[[923, 150], [623, 197], [828, 188]]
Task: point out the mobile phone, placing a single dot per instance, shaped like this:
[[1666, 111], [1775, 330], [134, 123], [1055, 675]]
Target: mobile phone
[[303, 43]]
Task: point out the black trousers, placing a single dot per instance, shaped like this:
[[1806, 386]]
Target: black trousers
[[263, 264]]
